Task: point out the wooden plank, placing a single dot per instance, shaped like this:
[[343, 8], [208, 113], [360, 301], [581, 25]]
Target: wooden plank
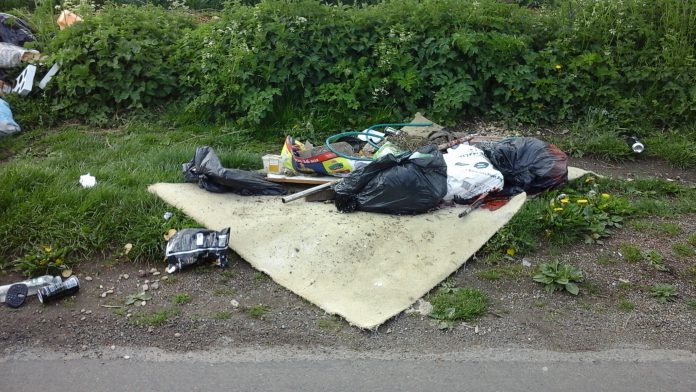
[[309, 180]]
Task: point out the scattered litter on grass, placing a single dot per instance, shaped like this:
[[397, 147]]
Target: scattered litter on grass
[[88, 180]]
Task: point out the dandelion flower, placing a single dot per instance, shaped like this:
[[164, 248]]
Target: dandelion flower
[[605, 196], [557, 209], [558, 67], [582, 201], [565, 200], [510, 251]]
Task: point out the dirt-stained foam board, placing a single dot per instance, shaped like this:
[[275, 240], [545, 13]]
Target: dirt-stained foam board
[[365, 267]]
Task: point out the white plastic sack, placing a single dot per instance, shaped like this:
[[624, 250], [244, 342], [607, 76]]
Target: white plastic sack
[[469, 173], [11, 55]]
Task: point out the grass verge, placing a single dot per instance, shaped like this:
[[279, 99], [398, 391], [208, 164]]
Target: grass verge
[[41, 201]]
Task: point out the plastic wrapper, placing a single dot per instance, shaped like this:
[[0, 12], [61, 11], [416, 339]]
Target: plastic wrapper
[[8, 126], [528, 164], [407, 185], [305, 158], [206, 169], [470, 174], [14, 30], [190, 247]]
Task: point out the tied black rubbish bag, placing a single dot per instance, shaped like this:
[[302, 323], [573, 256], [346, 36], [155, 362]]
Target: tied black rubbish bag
[[405, 185], [193, 246], [14, 31], [206, 169], [528, 164]]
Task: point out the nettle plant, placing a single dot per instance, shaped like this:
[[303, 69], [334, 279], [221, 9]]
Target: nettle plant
[[118, 59]]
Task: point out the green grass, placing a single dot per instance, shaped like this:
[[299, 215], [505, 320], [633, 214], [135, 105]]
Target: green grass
[[606, 259], [332, 323], [631, 253], [671, 229], [510, 271], [42, 202], [222, 315], [258, 311], [181, 298], [692, 239], [656, 260], [692, 304], [154, 318], [459, 304], [682, 250], [625, 305], [260, 276], [595, 137], [691, 272], [678, 148], [224, 292]]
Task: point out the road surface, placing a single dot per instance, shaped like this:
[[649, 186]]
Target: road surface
[[269, 370]]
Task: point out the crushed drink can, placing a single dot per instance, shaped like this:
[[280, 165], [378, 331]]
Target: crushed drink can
[[59, 290], [635, 144]]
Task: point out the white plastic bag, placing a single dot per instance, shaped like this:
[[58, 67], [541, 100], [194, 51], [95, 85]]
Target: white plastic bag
[[12, 55], [469, 173]]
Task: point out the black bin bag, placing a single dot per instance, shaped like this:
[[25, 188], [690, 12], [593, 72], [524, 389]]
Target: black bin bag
[[14, 31], [395, 185], [206, 169], [528, 164]]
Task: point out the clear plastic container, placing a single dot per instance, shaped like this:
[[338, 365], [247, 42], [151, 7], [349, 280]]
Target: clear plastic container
[[32, 284], [272, 164]]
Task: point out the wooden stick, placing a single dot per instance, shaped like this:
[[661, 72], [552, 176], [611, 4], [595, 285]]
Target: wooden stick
[[299, 195], [454, 142]]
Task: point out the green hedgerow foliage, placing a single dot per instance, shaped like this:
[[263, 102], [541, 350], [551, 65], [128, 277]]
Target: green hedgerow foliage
[[119, 59], [634, 60], [450, 56]]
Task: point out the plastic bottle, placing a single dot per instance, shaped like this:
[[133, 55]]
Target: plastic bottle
[[32, 284]]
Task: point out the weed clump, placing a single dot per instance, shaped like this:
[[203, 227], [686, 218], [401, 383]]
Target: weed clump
[[452, 304]]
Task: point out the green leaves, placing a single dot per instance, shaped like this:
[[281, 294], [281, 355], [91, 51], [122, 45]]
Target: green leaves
[[118, 59], [557, 276], [664, 292]]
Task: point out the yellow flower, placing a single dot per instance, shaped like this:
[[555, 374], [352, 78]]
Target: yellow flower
[[605, 195], [558, 209], [510, 251], [565, 201], [582, 201], [59, 261], [558, 67], [47, 248], [589, 179]]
